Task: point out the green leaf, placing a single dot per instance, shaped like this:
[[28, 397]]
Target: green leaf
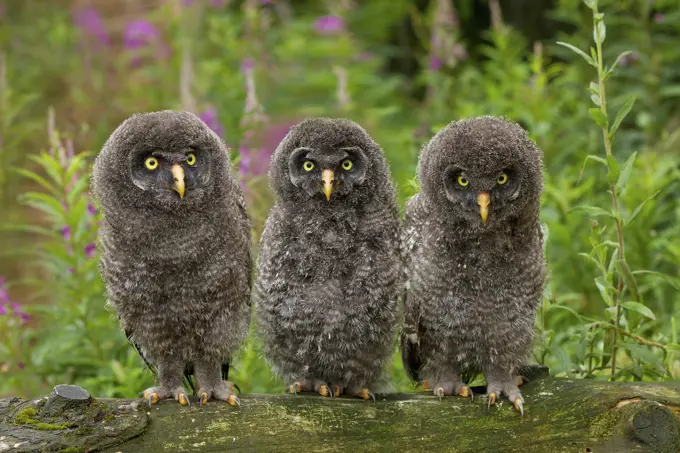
[[643, 353], [616, 62], [575, 49], [629, 279], [673, 346], [39, 179], [626, 172], [604, 287], [614, 170], [600, 31], [591, 157], [562, 358], [639, 208], [595, 89], [599, 117], [623, 111], [590, 3], [639, 308], [593, 211], [595, 98]]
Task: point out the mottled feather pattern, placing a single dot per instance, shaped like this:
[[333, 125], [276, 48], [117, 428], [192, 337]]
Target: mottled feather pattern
[[472, 290], [178, 276], [329, 273]]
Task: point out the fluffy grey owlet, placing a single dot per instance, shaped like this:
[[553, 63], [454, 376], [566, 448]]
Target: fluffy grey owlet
[[474, 258], [175, 246], [329, 265]]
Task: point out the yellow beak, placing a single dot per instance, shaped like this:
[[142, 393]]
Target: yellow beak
[[328, 179], [483, 200], [178, 177]]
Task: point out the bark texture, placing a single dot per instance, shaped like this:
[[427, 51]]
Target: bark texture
[[561, 415]]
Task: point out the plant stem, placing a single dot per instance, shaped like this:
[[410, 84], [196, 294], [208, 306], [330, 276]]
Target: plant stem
[[615, 202]]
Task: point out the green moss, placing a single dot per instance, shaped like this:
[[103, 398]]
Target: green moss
[[109, 417], [27, 417], [604, 424], [71, 450]]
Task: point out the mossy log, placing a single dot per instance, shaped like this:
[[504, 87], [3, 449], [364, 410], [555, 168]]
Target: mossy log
[[561, 415]]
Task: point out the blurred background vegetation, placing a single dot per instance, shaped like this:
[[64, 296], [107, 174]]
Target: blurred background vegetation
[[71, 71]]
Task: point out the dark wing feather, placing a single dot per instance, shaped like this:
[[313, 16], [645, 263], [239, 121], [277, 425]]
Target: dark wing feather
[[411, 332]]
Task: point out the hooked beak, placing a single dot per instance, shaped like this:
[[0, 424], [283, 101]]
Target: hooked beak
[[328, 179], [483, 200], [178, 179]]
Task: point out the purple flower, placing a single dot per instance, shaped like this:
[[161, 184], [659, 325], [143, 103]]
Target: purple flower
[[90, 250], [187, 2], [658, 18], [329, 25], [2, 10], [435, 63], [266, 2], [209, 117], [90, 22], [247, 65], [3, 310], [66, 233], [139, 33], [218, 3], [91, 209], [21, 365]]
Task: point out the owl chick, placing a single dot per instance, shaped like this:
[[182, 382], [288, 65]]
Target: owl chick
[[175, 247], [329, 268], [474, 258]]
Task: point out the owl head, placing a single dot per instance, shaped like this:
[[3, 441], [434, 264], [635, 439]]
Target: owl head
[[482, 171], [327, 162], [164, 160]]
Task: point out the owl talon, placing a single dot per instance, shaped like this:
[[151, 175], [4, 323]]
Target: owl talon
[[294, 388], [367, 394], [204, 398], [465, 392], [325, 391], [151, 397], [519, 406], [234, 400], [183, 399], [492, 399], [338, 391]]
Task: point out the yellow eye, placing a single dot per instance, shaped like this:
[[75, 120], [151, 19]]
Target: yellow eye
[[503, 178], [347, 164], [191, 159], [308, 165], [151, 163], [463, 181]]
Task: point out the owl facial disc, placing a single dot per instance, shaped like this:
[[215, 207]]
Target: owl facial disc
[[178, 179]]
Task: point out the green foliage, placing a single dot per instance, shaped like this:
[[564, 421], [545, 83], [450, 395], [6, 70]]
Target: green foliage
[[612, 303]]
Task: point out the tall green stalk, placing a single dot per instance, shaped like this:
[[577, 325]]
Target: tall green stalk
[[616, 176]]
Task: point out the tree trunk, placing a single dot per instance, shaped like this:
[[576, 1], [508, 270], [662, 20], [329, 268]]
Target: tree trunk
[[561, 415]]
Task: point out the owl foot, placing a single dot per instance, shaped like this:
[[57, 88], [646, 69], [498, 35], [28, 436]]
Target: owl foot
[[453, 388], [154, 394], [223, 391], [510, 390], [325, 389], [297, 387], [361, 392]]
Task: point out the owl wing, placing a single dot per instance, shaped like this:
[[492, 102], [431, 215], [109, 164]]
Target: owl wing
[[243, 213], [412, 331]]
